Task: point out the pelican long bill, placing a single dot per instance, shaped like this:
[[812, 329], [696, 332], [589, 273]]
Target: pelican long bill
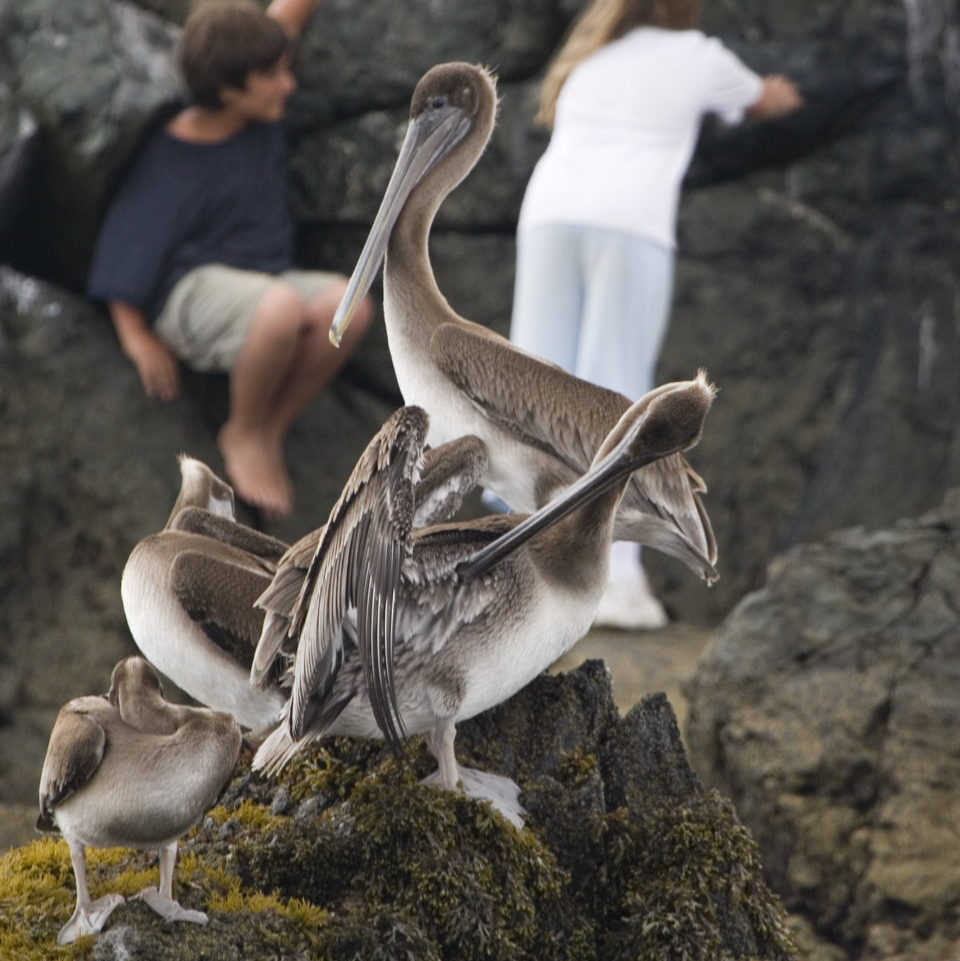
[[428, 138]]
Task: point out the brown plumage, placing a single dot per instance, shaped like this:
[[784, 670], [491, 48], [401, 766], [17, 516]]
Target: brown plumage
[[454, 618], [130, 769], [542, 426]]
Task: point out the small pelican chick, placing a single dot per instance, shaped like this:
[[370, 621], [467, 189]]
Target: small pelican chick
[[130, 769], [454, 618], [188, 594]]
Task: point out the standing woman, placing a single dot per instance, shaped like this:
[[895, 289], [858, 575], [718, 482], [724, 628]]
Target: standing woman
[[624, 98]]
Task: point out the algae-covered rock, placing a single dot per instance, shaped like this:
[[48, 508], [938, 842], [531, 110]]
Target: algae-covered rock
[[345, 855]]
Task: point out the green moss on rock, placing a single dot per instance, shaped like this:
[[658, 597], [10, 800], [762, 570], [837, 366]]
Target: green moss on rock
[[345, 855]]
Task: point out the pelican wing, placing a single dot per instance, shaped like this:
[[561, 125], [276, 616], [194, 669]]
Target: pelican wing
[[662, 507], [357, 564], [526, 395], [278, 602], [73, 755], [569, 418], [434, 603], [199, 520], [449, 473], [219, 594]]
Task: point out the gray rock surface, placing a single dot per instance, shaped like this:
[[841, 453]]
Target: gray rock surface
[[827, 706]]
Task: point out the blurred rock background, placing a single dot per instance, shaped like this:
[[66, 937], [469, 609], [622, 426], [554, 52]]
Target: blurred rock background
[[818, 282]]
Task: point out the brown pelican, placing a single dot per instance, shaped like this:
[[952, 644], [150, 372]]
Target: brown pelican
[[448, 473], [454, 618], [129, 769], [188, 590], [541, 425], [188, 594]]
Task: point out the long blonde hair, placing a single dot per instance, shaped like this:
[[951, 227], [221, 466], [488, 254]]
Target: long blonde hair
[[600, 23]]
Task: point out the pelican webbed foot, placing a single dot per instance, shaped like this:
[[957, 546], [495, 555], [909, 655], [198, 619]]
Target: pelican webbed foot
[[502, 792], [168, 908], [89, 918]]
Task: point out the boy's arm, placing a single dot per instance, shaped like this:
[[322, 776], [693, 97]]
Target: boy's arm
[[159, 370], [292, 14]]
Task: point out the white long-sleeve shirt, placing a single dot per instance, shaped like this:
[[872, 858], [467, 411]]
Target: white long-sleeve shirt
[[626, 124]]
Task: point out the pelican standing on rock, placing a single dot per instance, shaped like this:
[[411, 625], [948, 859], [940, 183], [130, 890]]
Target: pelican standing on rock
[[455, 618], [542, 426], [188, 594], [188, 591], [129, 769]]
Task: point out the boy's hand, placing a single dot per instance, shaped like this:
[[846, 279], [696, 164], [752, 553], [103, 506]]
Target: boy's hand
[[158, 368]]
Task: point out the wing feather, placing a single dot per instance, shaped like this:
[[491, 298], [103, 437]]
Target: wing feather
[[357, 564], [219, 594], [199, 520], [450, 472], [74, 752], [569, 418]]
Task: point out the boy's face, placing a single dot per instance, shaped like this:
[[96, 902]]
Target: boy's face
[[264, 96]]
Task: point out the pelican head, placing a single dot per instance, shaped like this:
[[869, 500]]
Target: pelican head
[[452, 113], [200, 487]]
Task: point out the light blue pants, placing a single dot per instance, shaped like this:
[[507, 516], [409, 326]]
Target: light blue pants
[[594, 301]]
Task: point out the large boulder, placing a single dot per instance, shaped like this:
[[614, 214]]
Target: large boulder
[[345, 855], [93, 73], [821, 292], [827, 706], [89, 467]]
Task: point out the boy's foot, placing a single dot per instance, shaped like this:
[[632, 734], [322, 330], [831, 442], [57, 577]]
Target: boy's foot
[[256, 470]]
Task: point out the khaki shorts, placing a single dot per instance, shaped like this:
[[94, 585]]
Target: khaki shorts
[[207, 316]]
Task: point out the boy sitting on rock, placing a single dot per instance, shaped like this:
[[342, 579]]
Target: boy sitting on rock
[[195, 256]]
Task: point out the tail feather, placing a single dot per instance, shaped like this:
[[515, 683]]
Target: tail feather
[[277, 751]]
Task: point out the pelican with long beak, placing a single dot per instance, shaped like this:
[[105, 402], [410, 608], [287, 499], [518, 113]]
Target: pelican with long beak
[[541, 425], [130, 769], [454, 618]]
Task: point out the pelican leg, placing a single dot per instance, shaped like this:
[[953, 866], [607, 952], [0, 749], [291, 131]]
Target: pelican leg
[[89, 917], [502, 792], [161, 900], [440, 742]]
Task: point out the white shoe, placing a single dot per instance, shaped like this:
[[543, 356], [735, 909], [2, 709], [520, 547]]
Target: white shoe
[[630, 606]]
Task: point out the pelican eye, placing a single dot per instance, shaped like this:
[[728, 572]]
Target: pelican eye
[[438, 103]]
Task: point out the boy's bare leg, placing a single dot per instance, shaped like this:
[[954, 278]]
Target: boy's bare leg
[[286, 360], [317, 361], [251, 447]]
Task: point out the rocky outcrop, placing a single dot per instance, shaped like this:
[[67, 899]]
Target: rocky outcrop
[[346, 856], [827, 706], [89, 467]]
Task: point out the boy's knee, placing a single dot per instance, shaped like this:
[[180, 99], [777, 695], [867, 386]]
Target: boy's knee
[[281, 305], [324, 306]]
